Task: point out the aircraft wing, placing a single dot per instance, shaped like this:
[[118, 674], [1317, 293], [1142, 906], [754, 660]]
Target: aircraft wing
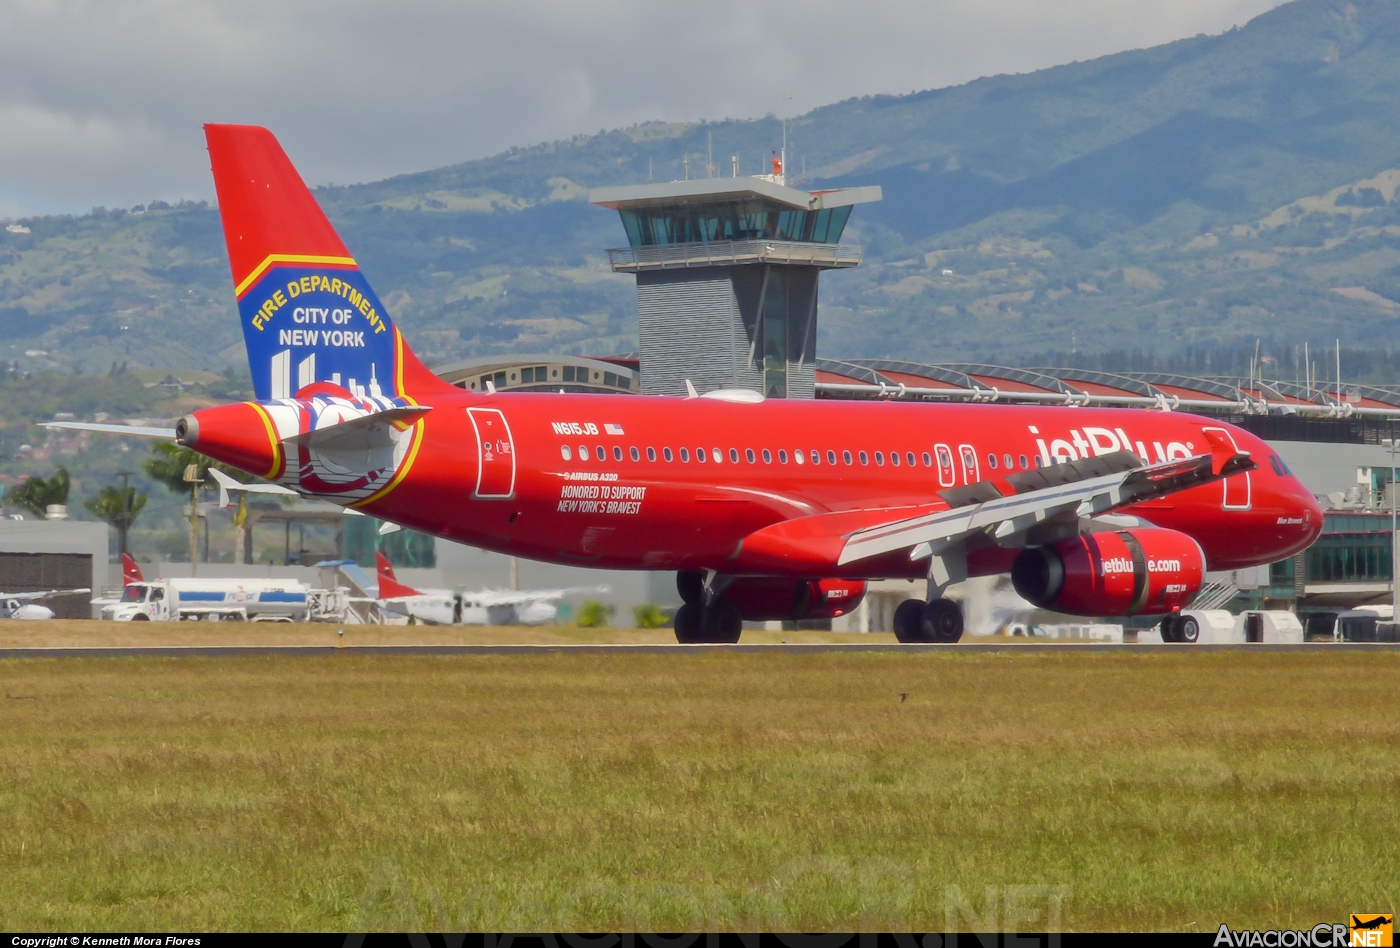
[[1068, 492], [42, 595], [511, 597]]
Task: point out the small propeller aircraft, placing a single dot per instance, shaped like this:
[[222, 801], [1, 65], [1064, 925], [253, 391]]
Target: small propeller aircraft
[[26, 606]]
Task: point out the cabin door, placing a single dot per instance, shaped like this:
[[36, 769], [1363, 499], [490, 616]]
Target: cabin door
[[1237, 486], [495, 451]]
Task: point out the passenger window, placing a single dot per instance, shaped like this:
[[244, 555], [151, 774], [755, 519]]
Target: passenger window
[[799, 457], [928, 461], [583, 452], [567, 454], [782, 456], [830, 456], [1007, 459], [733, 455], [748, 455], [685, 455], [879, 459], [816, 457], [845, 456], [767, 456], [719, 457], [992, 461], [666, 453], [633, 452], [1024, 465], [894, 458], [909, 457], [617, 453], [700, 455], [651, 454], [864, 458]]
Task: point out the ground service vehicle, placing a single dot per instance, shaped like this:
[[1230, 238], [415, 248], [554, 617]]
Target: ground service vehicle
[[769, 509], [227, 600]]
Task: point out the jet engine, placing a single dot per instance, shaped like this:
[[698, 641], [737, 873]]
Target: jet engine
[[1151, 570], [761, 598]]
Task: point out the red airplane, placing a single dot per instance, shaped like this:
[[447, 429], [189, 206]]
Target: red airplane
[[768, 509]]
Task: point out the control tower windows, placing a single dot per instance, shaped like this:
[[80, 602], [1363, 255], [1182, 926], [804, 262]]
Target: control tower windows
[[568, 373], [731, 220]]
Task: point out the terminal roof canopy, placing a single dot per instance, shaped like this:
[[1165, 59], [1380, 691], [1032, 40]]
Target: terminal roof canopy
[[715, 209]]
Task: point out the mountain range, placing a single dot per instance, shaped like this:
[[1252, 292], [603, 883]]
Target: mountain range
[[1206, 193]]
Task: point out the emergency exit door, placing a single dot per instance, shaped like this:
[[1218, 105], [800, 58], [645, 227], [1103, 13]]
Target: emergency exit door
[[495, 452]]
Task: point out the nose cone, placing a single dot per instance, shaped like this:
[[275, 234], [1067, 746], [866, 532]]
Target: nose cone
[[241, 435], [1300, 515]]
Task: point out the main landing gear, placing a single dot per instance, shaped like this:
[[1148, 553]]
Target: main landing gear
[[1181, 629], [705, 619], [938, 622]]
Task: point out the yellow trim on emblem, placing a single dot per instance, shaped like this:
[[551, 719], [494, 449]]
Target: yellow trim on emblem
[[402, 471], [272, 437], [272, 258]]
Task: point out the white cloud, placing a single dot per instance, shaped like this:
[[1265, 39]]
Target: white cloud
[[101, 101]]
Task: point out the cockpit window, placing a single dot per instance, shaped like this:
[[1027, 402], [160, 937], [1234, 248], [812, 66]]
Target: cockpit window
[[1276, 464], [133, 593]]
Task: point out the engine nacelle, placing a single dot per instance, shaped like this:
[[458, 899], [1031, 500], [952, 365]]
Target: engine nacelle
[[763, 598], [1124, 573]]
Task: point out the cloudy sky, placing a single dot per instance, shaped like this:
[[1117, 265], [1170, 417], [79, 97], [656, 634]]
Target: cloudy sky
[[101, 101]]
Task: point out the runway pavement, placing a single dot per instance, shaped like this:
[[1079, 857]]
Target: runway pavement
[[233, 651]]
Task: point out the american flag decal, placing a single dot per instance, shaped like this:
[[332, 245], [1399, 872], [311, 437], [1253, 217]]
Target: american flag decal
[[613, 429]]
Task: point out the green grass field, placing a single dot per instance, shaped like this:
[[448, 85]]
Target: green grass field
[[727, 790]]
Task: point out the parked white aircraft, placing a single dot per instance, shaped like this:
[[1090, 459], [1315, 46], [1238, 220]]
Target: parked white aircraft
[[487, 607], [24, 605]]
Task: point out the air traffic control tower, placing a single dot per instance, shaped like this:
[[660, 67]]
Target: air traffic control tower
[[727, 278]]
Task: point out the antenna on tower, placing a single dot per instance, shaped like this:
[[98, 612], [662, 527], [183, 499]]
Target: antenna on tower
[[710, 154]]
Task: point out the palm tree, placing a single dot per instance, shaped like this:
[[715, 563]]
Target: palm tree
[[170, 463], [118, 506], [36, 494]]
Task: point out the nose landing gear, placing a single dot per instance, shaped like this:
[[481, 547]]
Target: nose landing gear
[[937, 622]]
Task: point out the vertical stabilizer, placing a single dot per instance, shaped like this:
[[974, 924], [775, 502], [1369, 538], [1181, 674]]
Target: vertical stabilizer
[[308, 313]]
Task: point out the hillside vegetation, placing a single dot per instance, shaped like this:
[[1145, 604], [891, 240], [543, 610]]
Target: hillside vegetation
[[1200, 194]]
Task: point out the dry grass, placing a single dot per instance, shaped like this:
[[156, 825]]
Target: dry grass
[[86, 633], [1164, 790]]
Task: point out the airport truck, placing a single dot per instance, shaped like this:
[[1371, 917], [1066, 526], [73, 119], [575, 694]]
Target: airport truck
[[211, 600]]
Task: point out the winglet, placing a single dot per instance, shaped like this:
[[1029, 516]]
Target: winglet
[[690, 389], [1222, 449]]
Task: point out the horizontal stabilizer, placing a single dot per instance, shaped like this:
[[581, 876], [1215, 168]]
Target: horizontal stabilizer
[[227, 484], [365, 424], [134, 430]]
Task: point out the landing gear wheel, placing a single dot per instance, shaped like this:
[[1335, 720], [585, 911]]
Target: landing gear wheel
[[721, 624], [688, 624], [1188, 630], [1170, 629], [690, 583], [942, 622], [909, 622]]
